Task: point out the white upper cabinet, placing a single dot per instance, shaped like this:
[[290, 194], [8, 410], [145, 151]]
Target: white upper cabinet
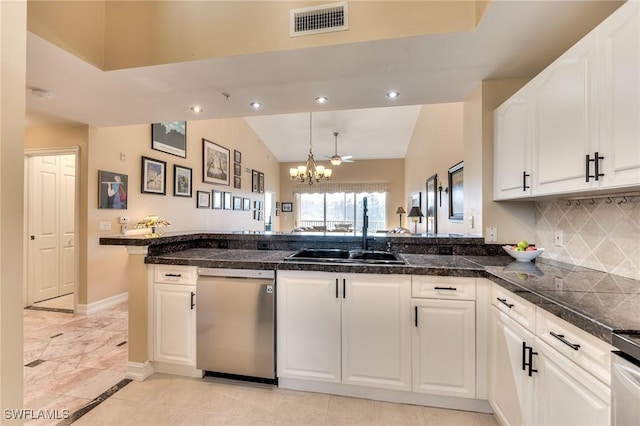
[[619, 96], [563, 100], [575, 127], [512, 148]]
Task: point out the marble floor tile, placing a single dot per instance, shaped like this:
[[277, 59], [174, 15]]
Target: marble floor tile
[[350, 411]]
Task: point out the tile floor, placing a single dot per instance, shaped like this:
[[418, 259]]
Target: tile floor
[[70, 360], [62, 302]]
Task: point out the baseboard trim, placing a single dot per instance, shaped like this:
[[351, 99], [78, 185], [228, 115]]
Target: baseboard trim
[[138, 371], [101, 305], [176, 369], [388, 395]]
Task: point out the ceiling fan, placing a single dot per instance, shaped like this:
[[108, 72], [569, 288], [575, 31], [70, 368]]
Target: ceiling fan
[[336, 160]]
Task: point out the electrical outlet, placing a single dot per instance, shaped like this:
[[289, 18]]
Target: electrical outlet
[[559, 283], [492, 234], [124, 229], [558, 238], [104, 226], [124, 219], [471, 222]]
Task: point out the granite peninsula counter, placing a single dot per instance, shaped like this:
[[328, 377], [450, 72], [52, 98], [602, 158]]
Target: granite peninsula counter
[[596, 302]]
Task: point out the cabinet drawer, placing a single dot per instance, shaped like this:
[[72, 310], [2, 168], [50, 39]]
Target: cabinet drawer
[[516, 307], [430, 287], [587, 351], [171, 274]]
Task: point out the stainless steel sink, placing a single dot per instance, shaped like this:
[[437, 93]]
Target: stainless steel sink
[[345, 256]]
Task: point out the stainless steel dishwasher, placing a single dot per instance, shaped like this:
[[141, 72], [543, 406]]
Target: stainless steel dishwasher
[[235, 323]]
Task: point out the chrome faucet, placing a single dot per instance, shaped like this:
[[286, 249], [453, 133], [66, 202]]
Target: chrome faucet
[[365, 223]]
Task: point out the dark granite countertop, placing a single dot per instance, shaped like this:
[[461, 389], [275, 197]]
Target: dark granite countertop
[[597, 302]]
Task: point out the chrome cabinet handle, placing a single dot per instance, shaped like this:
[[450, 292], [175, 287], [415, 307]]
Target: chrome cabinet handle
[[560, 337]]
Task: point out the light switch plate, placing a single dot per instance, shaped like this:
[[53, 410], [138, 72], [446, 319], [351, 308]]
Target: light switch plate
[[104, 226]]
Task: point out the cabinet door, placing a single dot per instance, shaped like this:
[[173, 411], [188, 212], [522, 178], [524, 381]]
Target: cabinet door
[[175, 324], [308, 321], [511, 389], [376, 331], [619, 106], [566, 394], [563, 120], [444, 349], [512, 158]]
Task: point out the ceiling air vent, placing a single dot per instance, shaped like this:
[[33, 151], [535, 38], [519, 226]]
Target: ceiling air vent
[[319, 19]]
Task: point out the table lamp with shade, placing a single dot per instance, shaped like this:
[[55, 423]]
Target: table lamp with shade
[[401, 211], [415, 214]]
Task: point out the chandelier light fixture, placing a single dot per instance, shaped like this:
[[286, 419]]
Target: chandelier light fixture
[[310, 172]]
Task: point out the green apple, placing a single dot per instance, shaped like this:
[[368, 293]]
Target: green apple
[[522, 245]]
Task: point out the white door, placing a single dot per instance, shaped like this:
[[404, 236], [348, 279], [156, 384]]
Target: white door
[[51, 204], [444, 347], [308, 318], [563, 121], [175, 324], [511, 389], [512, 168], [376, 331], [568, 395], [619, 106], [67, 224]]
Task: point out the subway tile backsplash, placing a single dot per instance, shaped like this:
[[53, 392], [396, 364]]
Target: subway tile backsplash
[[600, 234]]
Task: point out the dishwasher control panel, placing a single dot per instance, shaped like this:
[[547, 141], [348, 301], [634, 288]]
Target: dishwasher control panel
[[236, 273]]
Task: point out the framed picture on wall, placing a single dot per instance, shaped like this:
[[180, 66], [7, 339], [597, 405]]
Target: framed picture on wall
[[226, 201], [181, 181], [237, 156], [246, 204], [203, 200], [170, 137], [431, 207], [215, 163], [456, 192], [287, 207], [217, 199], [112, 191], [254, 181], [260, 182], [154, 176], [237, 182], [237, 203], [237, 169]]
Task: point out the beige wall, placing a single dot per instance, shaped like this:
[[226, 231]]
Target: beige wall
[[118, 34], [513, 220], [390, 171], [13, 47], [76, 26], [119, 150], [436, 145]]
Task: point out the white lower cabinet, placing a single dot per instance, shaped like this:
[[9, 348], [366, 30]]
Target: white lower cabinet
[[444, 336], [532, 382], [175, 334], [345, 328], [309, 323], [566, 394], [511, 389], [174, 316]]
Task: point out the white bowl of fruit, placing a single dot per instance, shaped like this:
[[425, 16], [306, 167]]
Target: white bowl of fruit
[[523, 252]]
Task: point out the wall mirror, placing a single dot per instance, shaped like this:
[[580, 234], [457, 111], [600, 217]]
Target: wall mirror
[[456, 192]]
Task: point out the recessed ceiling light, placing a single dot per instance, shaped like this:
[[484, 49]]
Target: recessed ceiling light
[[197, 109], [42, 93], [256, 105], [322, 100], [392, 94]]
